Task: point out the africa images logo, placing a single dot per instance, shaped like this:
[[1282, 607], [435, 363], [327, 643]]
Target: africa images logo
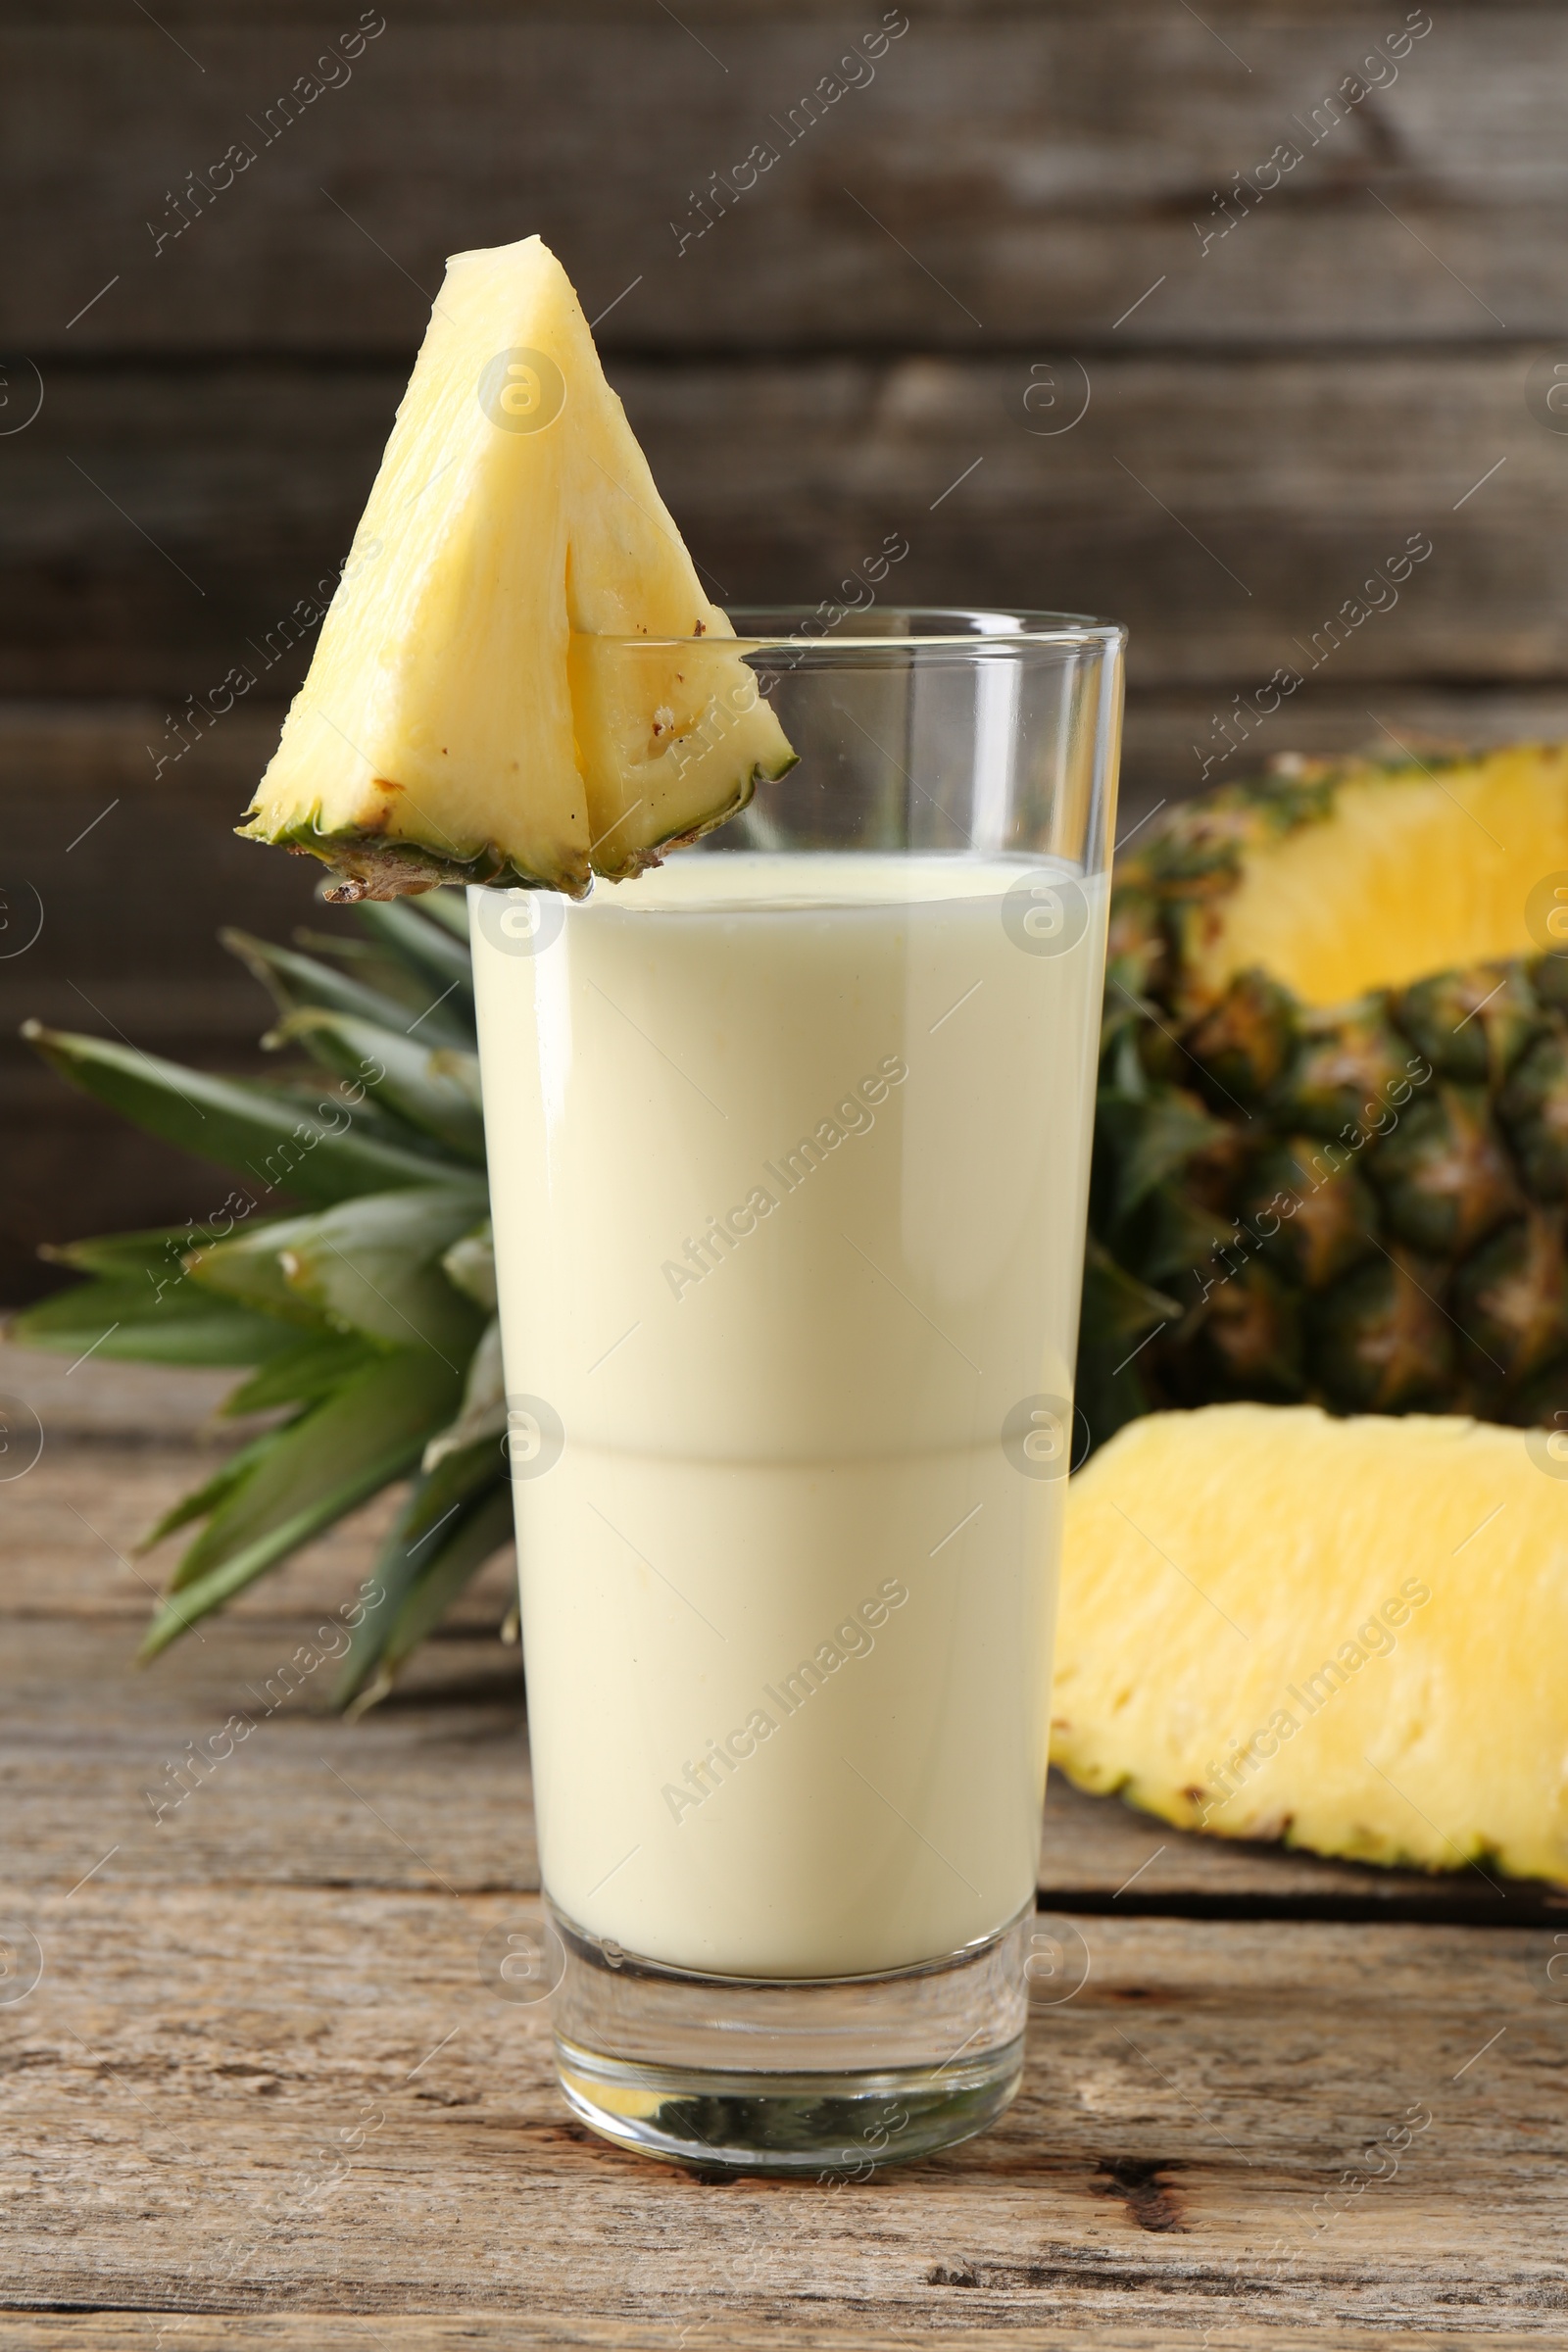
[[521, 391]]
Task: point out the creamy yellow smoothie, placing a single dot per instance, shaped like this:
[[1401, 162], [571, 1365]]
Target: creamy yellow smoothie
[[788, 1158]]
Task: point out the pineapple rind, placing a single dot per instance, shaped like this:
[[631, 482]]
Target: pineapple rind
[[374, 865], [377, 865], [1447, 1742]]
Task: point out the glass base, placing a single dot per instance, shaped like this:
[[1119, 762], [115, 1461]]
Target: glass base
[[789, 2074]]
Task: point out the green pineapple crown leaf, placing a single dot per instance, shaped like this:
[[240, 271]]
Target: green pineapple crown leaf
[[349, 1273]]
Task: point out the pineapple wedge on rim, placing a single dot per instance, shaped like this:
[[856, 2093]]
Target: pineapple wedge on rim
[[1351, 1634], [467, 717]]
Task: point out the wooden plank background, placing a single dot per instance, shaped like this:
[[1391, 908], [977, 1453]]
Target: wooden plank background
[[262, 2093], [1004, 207]]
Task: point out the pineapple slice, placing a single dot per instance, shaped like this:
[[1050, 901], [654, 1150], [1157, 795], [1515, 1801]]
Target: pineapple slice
[[1350, 1635], [445, 732]]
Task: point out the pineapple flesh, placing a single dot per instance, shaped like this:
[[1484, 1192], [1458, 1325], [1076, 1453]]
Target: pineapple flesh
[[1348, 1633], [1331, 1146], [446, 731], [1413, 870]]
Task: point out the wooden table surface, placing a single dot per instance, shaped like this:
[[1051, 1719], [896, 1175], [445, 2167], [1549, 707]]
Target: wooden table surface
[[259, 2093]]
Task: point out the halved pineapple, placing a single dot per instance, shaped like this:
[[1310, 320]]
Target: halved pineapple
[[445, 732], [1351, 1634], [1331, 1159]]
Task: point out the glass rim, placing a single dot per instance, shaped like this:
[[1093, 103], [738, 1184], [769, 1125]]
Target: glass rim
[[996, 629]]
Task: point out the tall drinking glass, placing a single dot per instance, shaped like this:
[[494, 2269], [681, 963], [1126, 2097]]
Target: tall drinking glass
[[789, 1146]]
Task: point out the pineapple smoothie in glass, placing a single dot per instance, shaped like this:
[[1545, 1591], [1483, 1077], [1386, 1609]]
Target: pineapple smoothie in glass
[[789, 1146], [787, 954]]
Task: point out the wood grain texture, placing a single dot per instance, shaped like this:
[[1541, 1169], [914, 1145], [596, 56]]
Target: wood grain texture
[[257, 2088], [133, 878], [1221, 506], [435, 2332], [428, 1791], [262, 2094], [188, 2087], [1026, 172]]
